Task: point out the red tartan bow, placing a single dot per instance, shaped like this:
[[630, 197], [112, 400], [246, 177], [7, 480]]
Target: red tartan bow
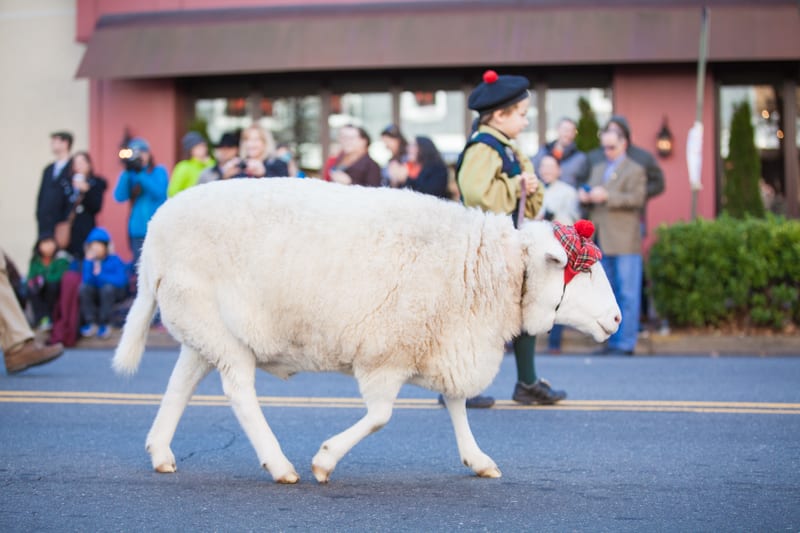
[[582, 253]]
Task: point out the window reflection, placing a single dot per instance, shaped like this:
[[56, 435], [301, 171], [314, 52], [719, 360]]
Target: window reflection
[[294, 121], [371, 111], [767, 125], [564, 103], [438, 115]]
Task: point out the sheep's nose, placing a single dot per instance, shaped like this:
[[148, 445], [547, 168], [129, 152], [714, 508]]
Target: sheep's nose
[[617, 319]]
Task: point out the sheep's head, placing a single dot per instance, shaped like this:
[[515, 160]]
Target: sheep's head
[[565, 282]]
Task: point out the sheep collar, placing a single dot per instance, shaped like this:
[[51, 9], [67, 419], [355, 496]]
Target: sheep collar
[[582, 253]]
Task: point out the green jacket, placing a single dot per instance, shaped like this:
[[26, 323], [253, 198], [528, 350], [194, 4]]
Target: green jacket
[[185, 175], [51, 273]]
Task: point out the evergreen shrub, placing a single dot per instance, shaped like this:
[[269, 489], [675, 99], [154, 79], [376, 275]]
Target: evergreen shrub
[[587, 138], [742, 167], [742, 273]]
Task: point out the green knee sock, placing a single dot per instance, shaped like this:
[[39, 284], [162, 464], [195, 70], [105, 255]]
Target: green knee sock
[[524, 350]]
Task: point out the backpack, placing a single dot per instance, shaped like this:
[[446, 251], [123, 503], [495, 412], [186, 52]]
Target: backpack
[[511, 166]]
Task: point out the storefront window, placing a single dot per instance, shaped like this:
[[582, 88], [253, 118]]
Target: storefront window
[[294, 121], [371, 111], [564, 103], [766, 120], [438, 115], [222, 115], [528, 140], [765, 115]]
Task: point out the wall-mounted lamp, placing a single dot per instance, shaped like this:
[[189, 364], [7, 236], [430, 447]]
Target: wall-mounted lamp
[[664, 140]]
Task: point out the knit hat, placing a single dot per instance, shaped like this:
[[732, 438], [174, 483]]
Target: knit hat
[[582, 253], [228, 140], [622, 122], [497, 92], [139, 144], [190, 140], [98, 234]]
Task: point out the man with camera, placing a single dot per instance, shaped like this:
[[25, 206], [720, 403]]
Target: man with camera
[[228, 163], [144, 185]]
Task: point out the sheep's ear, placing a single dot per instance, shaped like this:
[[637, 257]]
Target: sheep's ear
[[556, 256]]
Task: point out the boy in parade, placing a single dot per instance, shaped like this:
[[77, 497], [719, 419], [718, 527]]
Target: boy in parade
[[492, 174]]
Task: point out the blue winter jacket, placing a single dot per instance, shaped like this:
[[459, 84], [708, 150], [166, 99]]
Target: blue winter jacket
[[112, 272], [153, 194]]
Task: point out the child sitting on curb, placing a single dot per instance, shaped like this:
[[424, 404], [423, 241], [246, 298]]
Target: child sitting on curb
[[105, 283], [46, 269]]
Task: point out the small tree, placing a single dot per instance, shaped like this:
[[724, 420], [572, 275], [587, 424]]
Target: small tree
[[587, 138], [742, 167]]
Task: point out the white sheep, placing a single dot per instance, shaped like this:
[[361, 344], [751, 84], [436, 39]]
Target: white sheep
[[389, 286]]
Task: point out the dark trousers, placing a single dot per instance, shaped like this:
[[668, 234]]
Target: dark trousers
[[43, 299], [97, 302]]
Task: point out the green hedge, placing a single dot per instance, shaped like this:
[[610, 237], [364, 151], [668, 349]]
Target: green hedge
[[727, 271]]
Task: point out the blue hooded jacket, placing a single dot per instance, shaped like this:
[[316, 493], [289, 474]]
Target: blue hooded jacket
[[112, 270]]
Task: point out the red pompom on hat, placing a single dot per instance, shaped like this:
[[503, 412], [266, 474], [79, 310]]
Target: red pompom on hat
[[490, 76], [584, 228]]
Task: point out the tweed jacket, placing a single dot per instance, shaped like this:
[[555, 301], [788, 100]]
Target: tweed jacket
[[618, 220]]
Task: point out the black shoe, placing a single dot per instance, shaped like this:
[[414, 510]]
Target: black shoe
[[539, 393], [476, 402]]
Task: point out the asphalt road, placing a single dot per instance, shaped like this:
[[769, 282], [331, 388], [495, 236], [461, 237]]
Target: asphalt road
[[643, 444]]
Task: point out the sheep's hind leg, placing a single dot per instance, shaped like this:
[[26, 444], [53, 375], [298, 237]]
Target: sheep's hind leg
[[238, 382], [471, 454], [379, 392], [190, 370]]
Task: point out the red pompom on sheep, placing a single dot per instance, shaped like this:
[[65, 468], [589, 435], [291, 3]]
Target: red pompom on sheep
[[585, 228]]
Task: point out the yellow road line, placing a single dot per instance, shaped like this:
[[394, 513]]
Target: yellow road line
[[115, 398]]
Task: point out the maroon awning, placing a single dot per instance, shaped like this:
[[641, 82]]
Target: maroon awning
[[434, 34]]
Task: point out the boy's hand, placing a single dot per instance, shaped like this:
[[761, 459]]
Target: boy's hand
[[528, 182]]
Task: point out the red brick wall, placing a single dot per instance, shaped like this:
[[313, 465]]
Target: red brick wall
[[645, 95]]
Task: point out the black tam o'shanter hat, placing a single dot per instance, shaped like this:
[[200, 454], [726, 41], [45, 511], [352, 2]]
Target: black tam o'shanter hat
[[497, 92]]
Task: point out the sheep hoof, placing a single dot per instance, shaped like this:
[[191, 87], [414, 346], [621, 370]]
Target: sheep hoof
[[322, 475], [491, 472], [166, 468], [288, 479]]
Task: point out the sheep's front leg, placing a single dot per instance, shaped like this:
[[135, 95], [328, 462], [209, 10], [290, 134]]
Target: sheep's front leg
[[379, 393], [190, 370], [238, 382], [471, 454]]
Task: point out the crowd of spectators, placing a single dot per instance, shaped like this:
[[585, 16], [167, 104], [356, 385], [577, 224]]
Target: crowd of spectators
[[611, 185]]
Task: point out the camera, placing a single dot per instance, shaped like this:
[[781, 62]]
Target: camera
[[132, 159]]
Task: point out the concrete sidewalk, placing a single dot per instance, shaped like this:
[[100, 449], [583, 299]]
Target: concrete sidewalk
[[650, 343]]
